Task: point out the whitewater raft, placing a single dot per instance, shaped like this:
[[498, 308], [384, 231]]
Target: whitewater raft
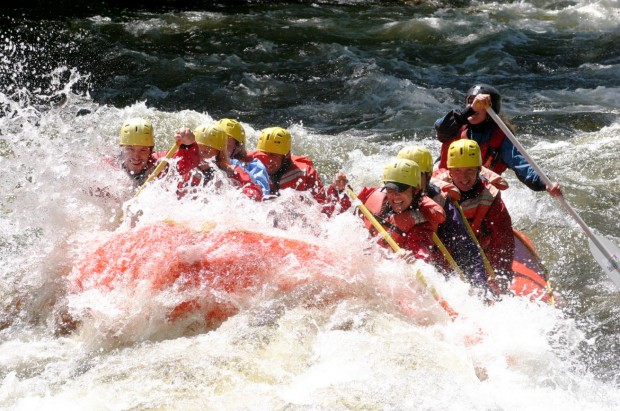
[[215, 269]]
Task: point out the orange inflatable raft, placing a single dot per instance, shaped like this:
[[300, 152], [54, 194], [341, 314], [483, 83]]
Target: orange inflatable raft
[[213, 272], [222, 267]]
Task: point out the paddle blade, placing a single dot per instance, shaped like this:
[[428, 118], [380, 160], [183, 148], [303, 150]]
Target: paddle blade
[[608, 257]]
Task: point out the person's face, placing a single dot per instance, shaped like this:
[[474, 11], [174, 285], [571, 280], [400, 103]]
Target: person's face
[[135, 158], [206, 153], [464, 178], [400, 200], [274, 162]]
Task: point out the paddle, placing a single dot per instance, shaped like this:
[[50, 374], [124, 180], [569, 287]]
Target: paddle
[[154, 173], [386, 236], [470, 231], [606, 254], [446, 254]]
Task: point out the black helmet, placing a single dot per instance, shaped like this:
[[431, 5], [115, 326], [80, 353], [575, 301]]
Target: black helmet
[[496, 98]]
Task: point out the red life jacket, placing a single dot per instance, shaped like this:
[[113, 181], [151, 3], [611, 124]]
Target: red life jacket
[[490, 150], [494, 178], [300, 175], [188, 158], [243, 180], [399, 224], [441, 178]]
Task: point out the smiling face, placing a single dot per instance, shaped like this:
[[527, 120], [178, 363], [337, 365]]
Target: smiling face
[[400, 200], [135, 158], [464, 178]]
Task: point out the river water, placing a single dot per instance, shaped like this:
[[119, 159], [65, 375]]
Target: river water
[[354, 81]]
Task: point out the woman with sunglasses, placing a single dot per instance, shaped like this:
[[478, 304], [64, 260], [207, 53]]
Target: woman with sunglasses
[[409, 216]]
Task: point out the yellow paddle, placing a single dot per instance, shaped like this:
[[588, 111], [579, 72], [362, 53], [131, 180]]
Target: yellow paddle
[[398, 250], [485, 260], [446, 254]]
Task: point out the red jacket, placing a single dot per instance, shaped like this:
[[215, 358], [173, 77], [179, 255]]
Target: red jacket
[[412, 229], [497, 239], [189, 159], [298, 173]]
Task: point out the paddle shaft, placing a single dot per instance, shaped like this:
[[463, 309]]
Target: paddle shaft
[[398, 250], [446, 254], [548, 183], [386, 236], [485, 260]]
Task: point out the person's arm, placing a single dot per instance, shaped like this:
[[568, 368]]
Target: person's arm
[[517, 163], [258, 172], [188, 154], [247, 185], [449, 126], [189, 158], [313, 183]]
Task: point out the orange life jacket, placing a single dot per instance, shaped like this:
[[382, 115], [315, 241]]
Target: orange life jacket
[[494, 178], [441, 178], [475, 209]]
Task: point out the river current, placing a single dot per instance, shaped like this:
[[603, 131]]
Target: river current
[[354, 81]]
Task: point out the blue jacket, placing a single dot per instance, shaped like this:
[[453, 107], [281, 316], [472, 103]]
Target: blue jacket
[[257, 171]]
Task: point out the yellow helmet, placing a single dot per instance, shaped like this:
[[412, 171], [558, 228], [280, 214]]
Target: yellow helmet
[[137, 132], [275, 140], [212, 136], [402, 171], [464, 153], [233, 128], [420, 155]]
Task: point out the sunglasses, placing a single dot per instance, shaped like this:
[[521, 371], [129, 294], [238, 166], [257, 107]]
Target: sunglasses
[[399, 187]]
